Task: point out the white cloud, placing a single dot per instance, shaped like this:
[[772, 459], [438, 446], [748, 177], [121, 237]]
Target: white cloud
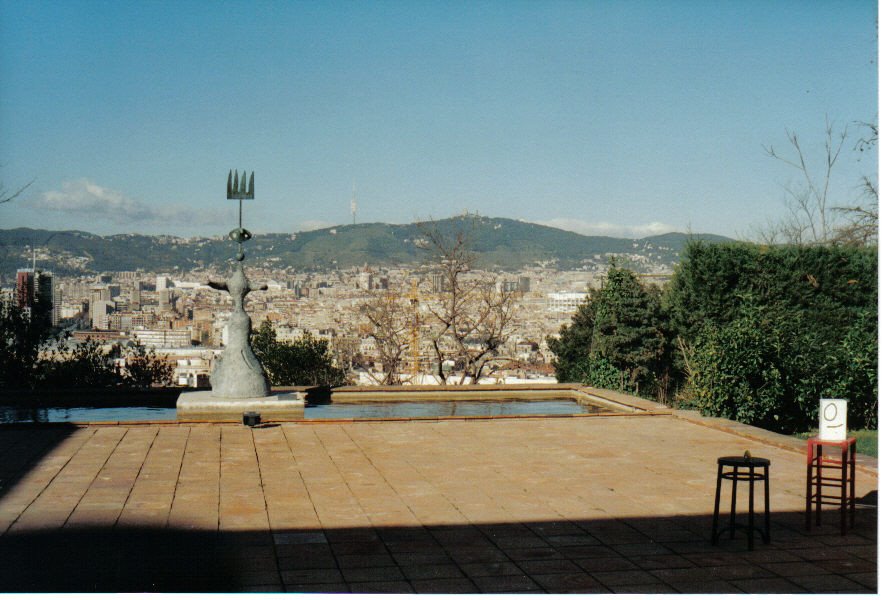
[[609, 229], [87, 200]]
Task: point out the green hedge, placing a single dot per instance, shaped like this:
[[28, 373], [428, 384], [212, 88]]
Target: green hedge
[[771, 330]]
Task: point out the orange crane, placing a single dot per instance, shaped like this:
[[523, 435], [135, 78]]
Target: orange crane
[[414, 298]]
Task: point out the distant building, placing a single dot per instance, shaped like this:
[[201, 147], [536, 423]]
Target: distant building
[[135, 296], [100, 312], [565, 302], [24, 288], [163, 338], [438, 283], [45, 297], [365, 280]]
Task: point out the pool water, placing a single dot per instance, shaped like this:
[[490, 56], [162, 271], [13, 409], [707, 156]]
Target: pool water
[[367, 410], [464, 408]]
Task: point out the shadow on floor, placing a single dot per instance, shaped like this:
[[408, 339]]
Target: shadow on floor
[[637, 555], [23, 446]]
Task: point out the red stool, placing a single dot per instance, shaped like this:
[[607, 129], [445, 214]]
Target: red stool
[[816, 463]]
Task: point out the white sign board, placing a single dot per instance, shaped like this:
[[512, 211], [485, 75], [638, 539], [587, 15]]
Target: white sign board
[[832, 420]]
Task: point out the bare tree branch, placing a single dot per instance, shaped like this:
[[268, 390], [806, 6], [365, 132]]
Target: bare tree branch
[[6, 196]]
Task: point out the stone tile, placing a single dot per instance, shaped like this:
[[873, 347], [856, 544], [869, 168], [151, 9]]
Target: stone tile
[[490, 569], [574, 583], [794, 569], [547, 553], [767, 585], [381, 587], [350, 561], [645, 588], [458, 585], [311, 537], [574, 552], [464, 556], [705, 587], [306, 576], [261, 589], [422, 558], [612, 578], [605, 563], [828, 583], [869, 580], [501, 585], [318, 588], [372, 574], [415, 572], [544, 567], [844, 566], [662, 561]]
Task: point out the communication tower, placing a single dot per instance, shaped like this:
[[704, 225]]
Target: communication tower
[[353, 204]]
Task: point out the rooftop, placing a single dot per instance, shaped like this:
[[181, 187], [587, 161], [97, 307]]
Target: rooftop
[[608, 504]]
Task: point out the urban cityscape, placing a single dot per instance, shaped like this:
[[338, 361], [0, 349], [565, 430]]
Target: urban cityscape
[[184, 320]]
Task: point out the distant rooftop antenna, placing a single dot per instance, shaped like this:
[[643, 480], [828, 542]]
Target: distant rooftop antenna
[[353, 205]]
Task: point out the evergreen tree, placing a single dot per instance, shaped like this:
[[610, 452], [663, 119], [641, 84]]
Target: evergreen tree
[[617, 339]]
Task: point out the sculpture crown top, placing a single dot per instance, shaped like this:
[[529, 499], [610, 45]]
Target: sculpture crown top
[[237, 188]]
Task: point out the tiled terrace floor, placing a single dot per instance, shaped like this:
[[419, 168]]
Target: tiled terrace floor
[[618, 504]]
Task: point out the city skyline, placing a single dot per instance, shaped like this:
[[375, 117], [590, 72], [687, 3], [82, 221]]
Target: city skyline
[[621, 119]]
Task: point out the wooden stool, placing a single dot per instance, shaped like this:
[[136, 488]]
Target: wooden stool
[[816, 463], [750, 475]]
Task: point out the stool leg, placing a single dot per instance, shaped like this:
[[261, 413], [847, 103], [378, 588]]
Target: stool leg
[[717, 505], [818, 475], [809, 463], [751, 507], [733, 504], [843, 471], [766, 504], [852, 485]]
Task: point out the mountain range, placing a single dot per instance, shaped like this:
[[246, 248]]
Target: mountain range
[[498, 243]]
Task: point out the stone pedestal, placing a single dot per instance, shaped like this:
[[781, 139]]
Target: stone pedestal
[[202, 406]]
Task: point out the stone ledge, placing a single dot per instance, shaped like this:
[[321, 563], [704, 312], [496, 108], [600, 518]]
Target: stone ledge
[[203, 406], [787, 442]]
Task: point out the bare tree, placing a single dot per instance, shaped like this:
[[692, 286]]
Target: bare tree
[[387, 315], [472, 316], [810, 219], [860, 226]]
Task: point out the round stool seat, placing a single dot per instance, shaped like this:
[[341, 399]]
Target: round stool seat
[[743, 461]]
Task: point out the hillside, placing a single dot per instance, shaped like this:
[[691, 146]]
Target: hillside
[[499, 243]]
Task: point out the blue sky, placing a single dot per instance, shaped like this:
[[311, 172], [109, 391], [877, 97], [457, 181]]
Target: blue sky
[[624, 118]]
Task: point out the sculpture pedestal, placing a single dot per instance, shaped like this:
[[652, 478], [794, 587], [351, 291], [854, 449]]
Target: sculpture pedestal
[[202, 406]]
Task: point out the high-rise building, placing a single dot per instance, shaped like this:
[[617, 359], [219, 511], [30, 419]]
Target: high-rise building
[[24, 288], [100, 312], [44, 292], [135, 297]]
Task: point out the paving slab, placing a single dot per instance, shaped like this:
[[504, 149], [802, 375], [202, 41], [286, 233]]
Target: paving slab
[[492, 505]]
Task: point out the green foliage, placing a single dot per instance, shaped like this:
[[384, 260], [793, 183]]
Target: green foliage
[[617, 339], [573, 344], [84, 365], [773, 329], [144, 368], [306, 361], [33, 356], [21, 339]]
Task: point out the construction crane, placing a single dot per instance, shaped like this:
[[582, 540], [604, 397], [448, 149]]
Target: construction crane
[[414, 299]]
